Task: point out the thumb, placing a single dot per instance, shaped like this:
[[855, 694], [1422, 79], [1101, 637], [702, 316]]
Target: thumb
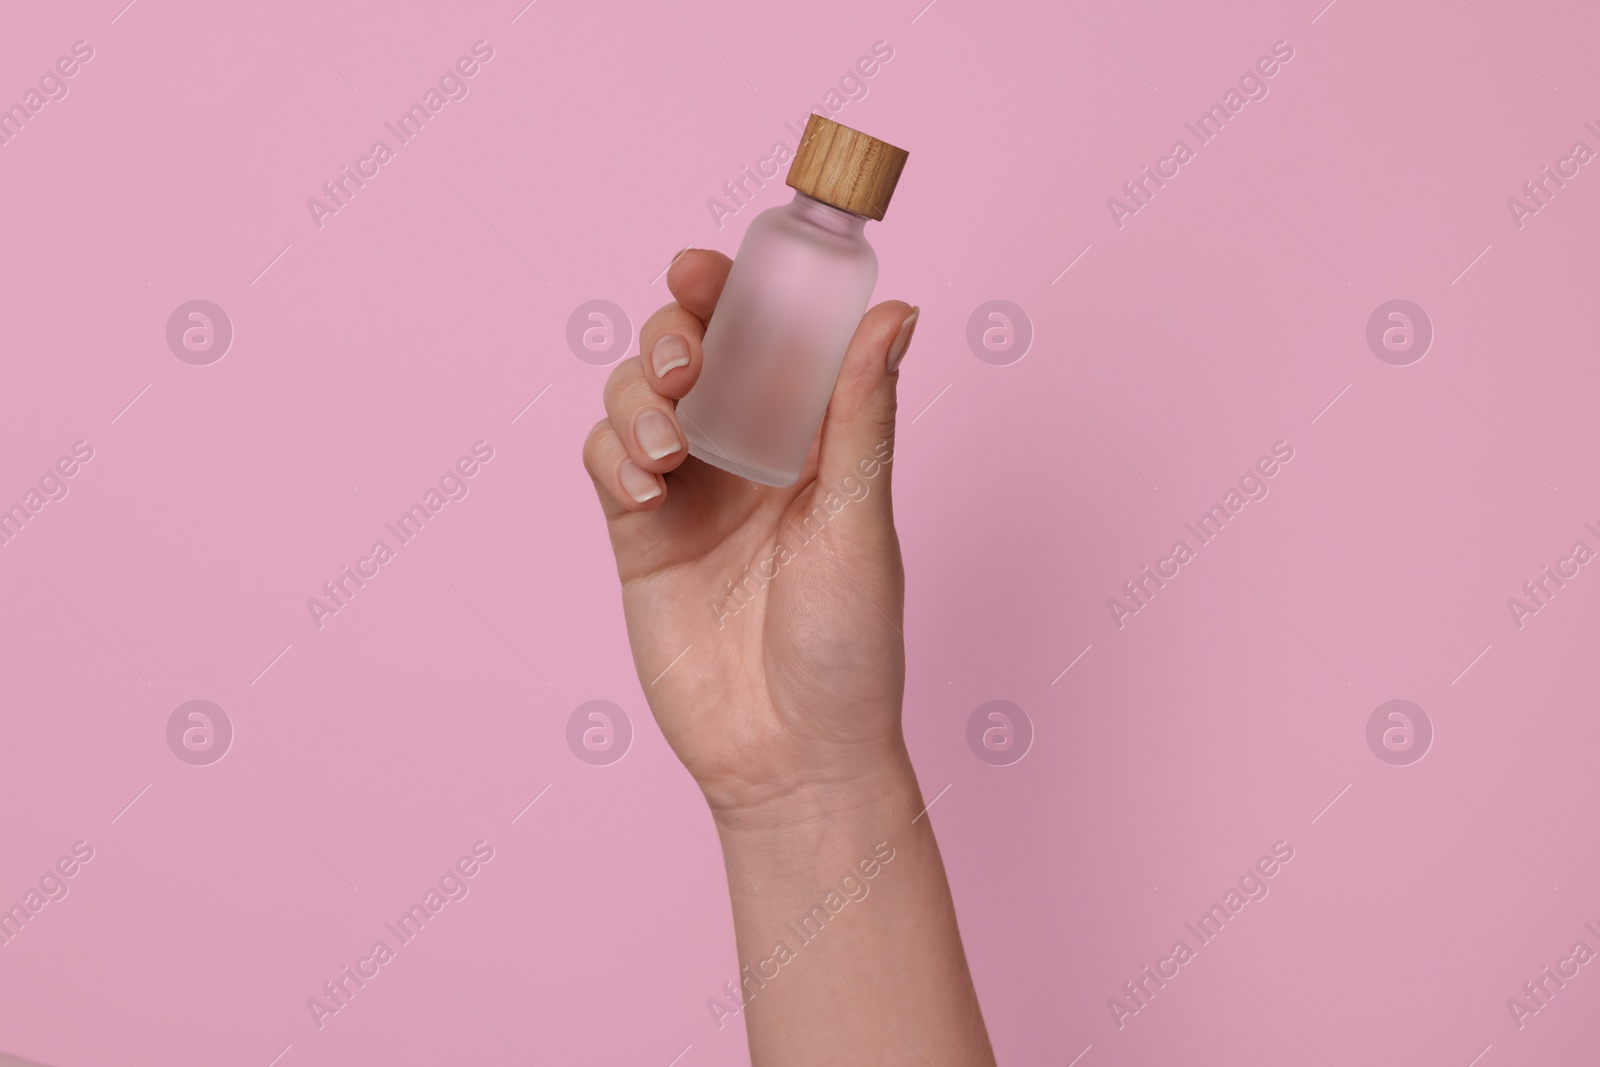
[[858, 430]]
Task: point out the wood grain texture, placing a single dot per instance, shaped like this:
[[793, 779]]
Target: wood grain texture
[[846, 168]]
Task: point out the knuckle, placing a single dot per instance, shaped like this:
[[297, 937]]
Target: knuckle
[[632, 396], [594, 445], [621, 377], [659, 318]]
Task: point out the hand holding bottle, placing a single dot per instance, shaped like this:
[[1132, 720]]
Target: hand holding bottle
[[787, 711], [798, 689]]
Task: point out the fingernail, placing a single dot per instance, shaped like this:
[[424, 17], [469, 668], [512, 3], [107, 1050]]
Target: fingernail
[[902, 340], [670, 351], [638, 482], [655, 433]]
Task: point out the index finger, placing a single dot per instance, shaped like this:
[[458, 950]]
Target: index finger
[[695, 280]]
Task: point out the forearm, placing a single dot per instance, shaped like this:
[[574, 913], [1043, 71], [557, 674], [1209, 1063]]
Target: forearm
[[847, 937]]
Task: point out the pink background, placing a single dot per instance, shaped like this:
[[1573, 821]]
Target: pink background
[[1223, 317]]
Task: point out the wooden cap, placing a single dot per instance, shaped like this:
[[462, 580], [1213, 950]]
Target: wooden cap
[[846, 168]]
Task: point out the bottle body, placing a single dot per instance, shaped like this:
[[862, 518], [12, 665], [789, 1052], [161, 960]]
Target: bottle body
[[773, 348]]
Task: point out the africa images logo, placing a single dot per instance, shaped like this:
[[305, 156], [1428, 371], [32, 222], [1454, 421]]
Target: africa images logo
[[453, 885], [452, 86], [1252, 887], [1252, 86]]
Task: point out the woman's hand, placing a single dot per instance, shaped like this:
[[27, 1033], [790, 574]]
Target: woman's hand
[[765, 622]]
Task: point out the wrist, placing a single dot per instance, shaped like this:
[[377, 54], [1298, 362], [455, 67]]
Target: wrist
[[807, 819]]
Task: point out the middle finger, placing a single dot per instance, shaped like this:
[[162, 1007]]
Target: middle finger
[[644, 419]]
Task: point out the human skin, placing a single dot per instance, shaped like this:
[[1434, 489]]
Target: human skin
[[786, 709]]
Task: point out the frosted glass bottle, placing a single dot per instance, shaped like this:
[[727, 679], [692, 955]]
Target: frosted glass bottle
[[795, 295]]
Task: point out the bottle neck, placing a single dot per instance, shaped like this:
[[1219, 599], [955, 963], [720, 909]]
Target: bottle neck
[[827, 217]]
